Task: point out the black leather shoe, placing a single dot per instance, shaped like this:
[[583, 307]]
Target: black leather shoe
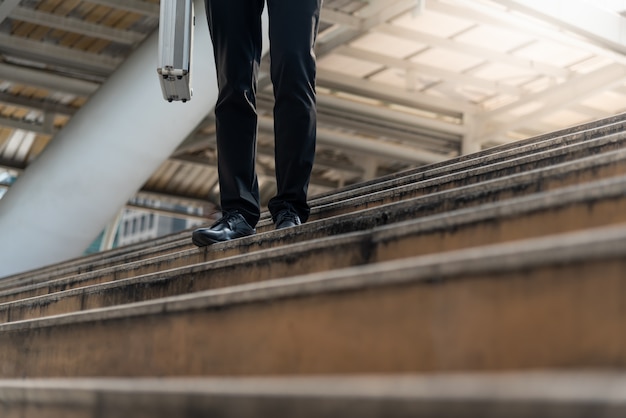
[[230, 226], [286, 218]]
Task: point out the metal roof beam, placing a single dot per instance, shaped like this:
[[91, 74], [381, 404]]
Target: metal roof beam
[[369, 115], [76, 26], [101, 65], [40, 105], [135, 6], [25, 126], [47, 80], [605, 28], [338, 18], [570, 92], [387, 93], [365, 145], [375, 13], [481, 13], [477, 51], [268, 151], [440, 73], [554, 99], [370, 120]]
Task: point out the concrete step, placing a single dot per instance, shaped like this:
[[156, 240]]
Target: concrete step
[[139, 251], [92, 262], [508, 306], [544, 394], [581, 132], [570, 209], [423, 184], [534, 155], [178, 252], [418, 210]]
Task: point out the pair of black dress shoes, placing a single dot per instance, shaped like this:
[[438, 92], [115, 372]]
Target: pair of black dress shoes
[[233, 225]]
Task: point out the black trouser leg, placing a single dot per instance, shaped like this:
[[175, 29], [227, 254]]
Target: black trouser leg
[[293, 29], [235, 27]]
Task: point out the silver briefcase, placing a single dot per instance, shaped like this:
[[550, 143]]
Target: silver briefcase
[[176, 25]]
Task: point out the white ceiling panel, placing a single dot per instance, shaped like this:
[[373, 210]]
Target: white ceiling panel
[[433, 23], [388, 45], [347, 65], [554, 53], [505, 73], [447, 60], [495, 38]]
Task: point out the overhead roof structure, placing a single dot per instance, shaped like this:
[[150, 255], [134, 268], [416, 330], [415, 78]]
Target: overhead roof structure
[[401, 83]]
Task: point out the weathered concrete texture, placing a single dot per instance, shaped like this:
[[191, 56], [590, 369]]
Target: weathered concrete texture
[[498, 177], [578, 133], [118, 256], [424, 198], [574, 135], [510, 306], [518, 395], [534, 155], [573, 208], [491, 262]]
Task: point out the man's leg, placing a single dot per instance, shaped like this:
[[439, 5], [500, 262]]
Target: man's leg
[[293, 29], [235, 27]]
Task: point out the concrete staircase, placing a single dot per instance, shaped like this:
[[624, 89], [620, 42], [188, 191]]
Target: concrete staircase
[[490, 285]]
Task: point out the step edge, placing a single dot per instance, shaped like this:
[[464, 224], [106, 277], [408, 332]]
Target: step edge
[[596, 244]]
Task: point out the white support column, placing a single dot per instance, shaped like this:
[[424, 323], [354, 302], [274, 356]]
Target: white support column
[[101, 158]]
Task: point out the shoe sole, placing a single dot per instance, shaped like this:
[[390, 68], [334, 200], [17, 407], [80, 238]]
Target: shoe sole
[[200, 240], [285, 226]]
